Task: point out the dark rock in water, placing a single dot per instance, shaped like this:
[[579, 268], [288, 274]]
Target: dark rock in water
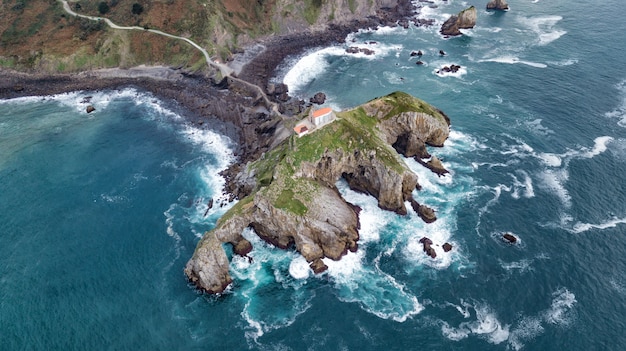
[[242, 248], [509, 238], [318, 98], [90, 109], [318, 266], [427, 214], [356, 50], [426, 241], [497, 5], [423, 22], [419, 63], [447, 247], [417, 53], [436, 166], [442, 53], [464, 20], [86, 100], [209, 206], [427, 247]]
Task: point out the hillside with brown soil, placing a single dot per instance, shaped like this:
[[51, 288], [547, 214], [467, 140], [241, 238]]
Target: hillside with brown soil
[[37, 35]]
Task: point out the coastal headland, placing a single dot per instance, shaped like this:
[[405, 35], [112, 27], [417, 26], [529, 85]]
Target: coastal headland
[[285, 184]]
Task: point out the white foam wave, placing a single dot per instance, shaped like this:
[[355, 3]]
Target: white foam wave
[[308, 67], [554, 181], [514, 60], [362, 281], [266, 265], [311, 65], [522, 265], [567, 62], [486, 325], [527, 329], [558, 313], [550, 160], [620, 112], [544, 27], [583, 227], [299, 268], [526, 185]]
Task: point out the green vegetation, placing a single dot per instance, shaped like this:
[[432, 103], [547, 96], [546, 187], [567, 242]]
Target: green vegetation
[[352, 5], [103, 8], [288, 202], [403, 102], [312, 10], [137, 9]]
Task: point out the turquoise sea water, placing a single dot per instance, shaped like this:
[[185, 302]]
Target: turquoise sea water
[[99, 213]]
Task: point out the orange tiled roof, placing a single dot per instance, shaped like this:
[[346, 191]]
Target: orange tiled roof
[[300, 129], [321, 112]]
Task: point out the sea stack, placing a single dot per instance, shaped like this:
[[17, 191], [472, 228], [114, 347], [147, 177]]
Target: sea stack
[[497, 5], [464, 20]]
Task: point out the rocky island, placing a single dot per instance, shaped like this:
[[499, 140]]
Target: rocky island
[[292, 199]]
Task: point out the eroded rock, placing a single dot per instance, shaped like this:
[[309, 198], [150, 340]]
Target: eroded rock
[[464, 20], [497, 5]]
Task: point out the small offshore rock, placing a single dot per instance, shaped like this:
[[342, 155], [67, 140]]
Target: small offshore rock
[[242, 248], [419, 63], [442, 53], [318, 266], [318, 98], [447, 247], [426, 241], [90, 109], [510, 238], [497, 5]]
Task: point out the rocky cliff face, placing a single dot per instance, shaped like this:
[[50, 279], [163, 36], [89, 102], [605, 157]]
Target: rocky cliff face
[[464, 20], [293, 200]]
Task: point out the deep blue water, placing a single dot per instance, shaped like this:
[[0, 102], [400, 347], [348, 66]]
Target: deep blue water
[[99, 213]]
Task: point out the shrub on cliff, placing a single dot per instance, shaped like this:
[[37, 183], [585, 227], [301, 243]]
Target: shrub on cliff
[[137, 9], [103, 7]]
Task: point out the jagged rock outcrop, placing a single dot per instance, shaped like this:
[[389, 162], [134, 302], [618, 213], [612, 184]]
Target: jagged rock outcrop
[[293, 200], [319, 98], [209, 268], [497, 5], [464, 20]]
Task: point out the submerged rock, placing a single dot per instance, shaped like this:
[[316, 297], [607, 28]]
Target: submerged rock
[[464, 20]]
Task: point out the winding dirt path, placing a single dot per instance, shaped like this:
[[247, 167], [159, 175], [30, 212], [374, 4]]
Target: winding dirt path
[[224, 69]]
